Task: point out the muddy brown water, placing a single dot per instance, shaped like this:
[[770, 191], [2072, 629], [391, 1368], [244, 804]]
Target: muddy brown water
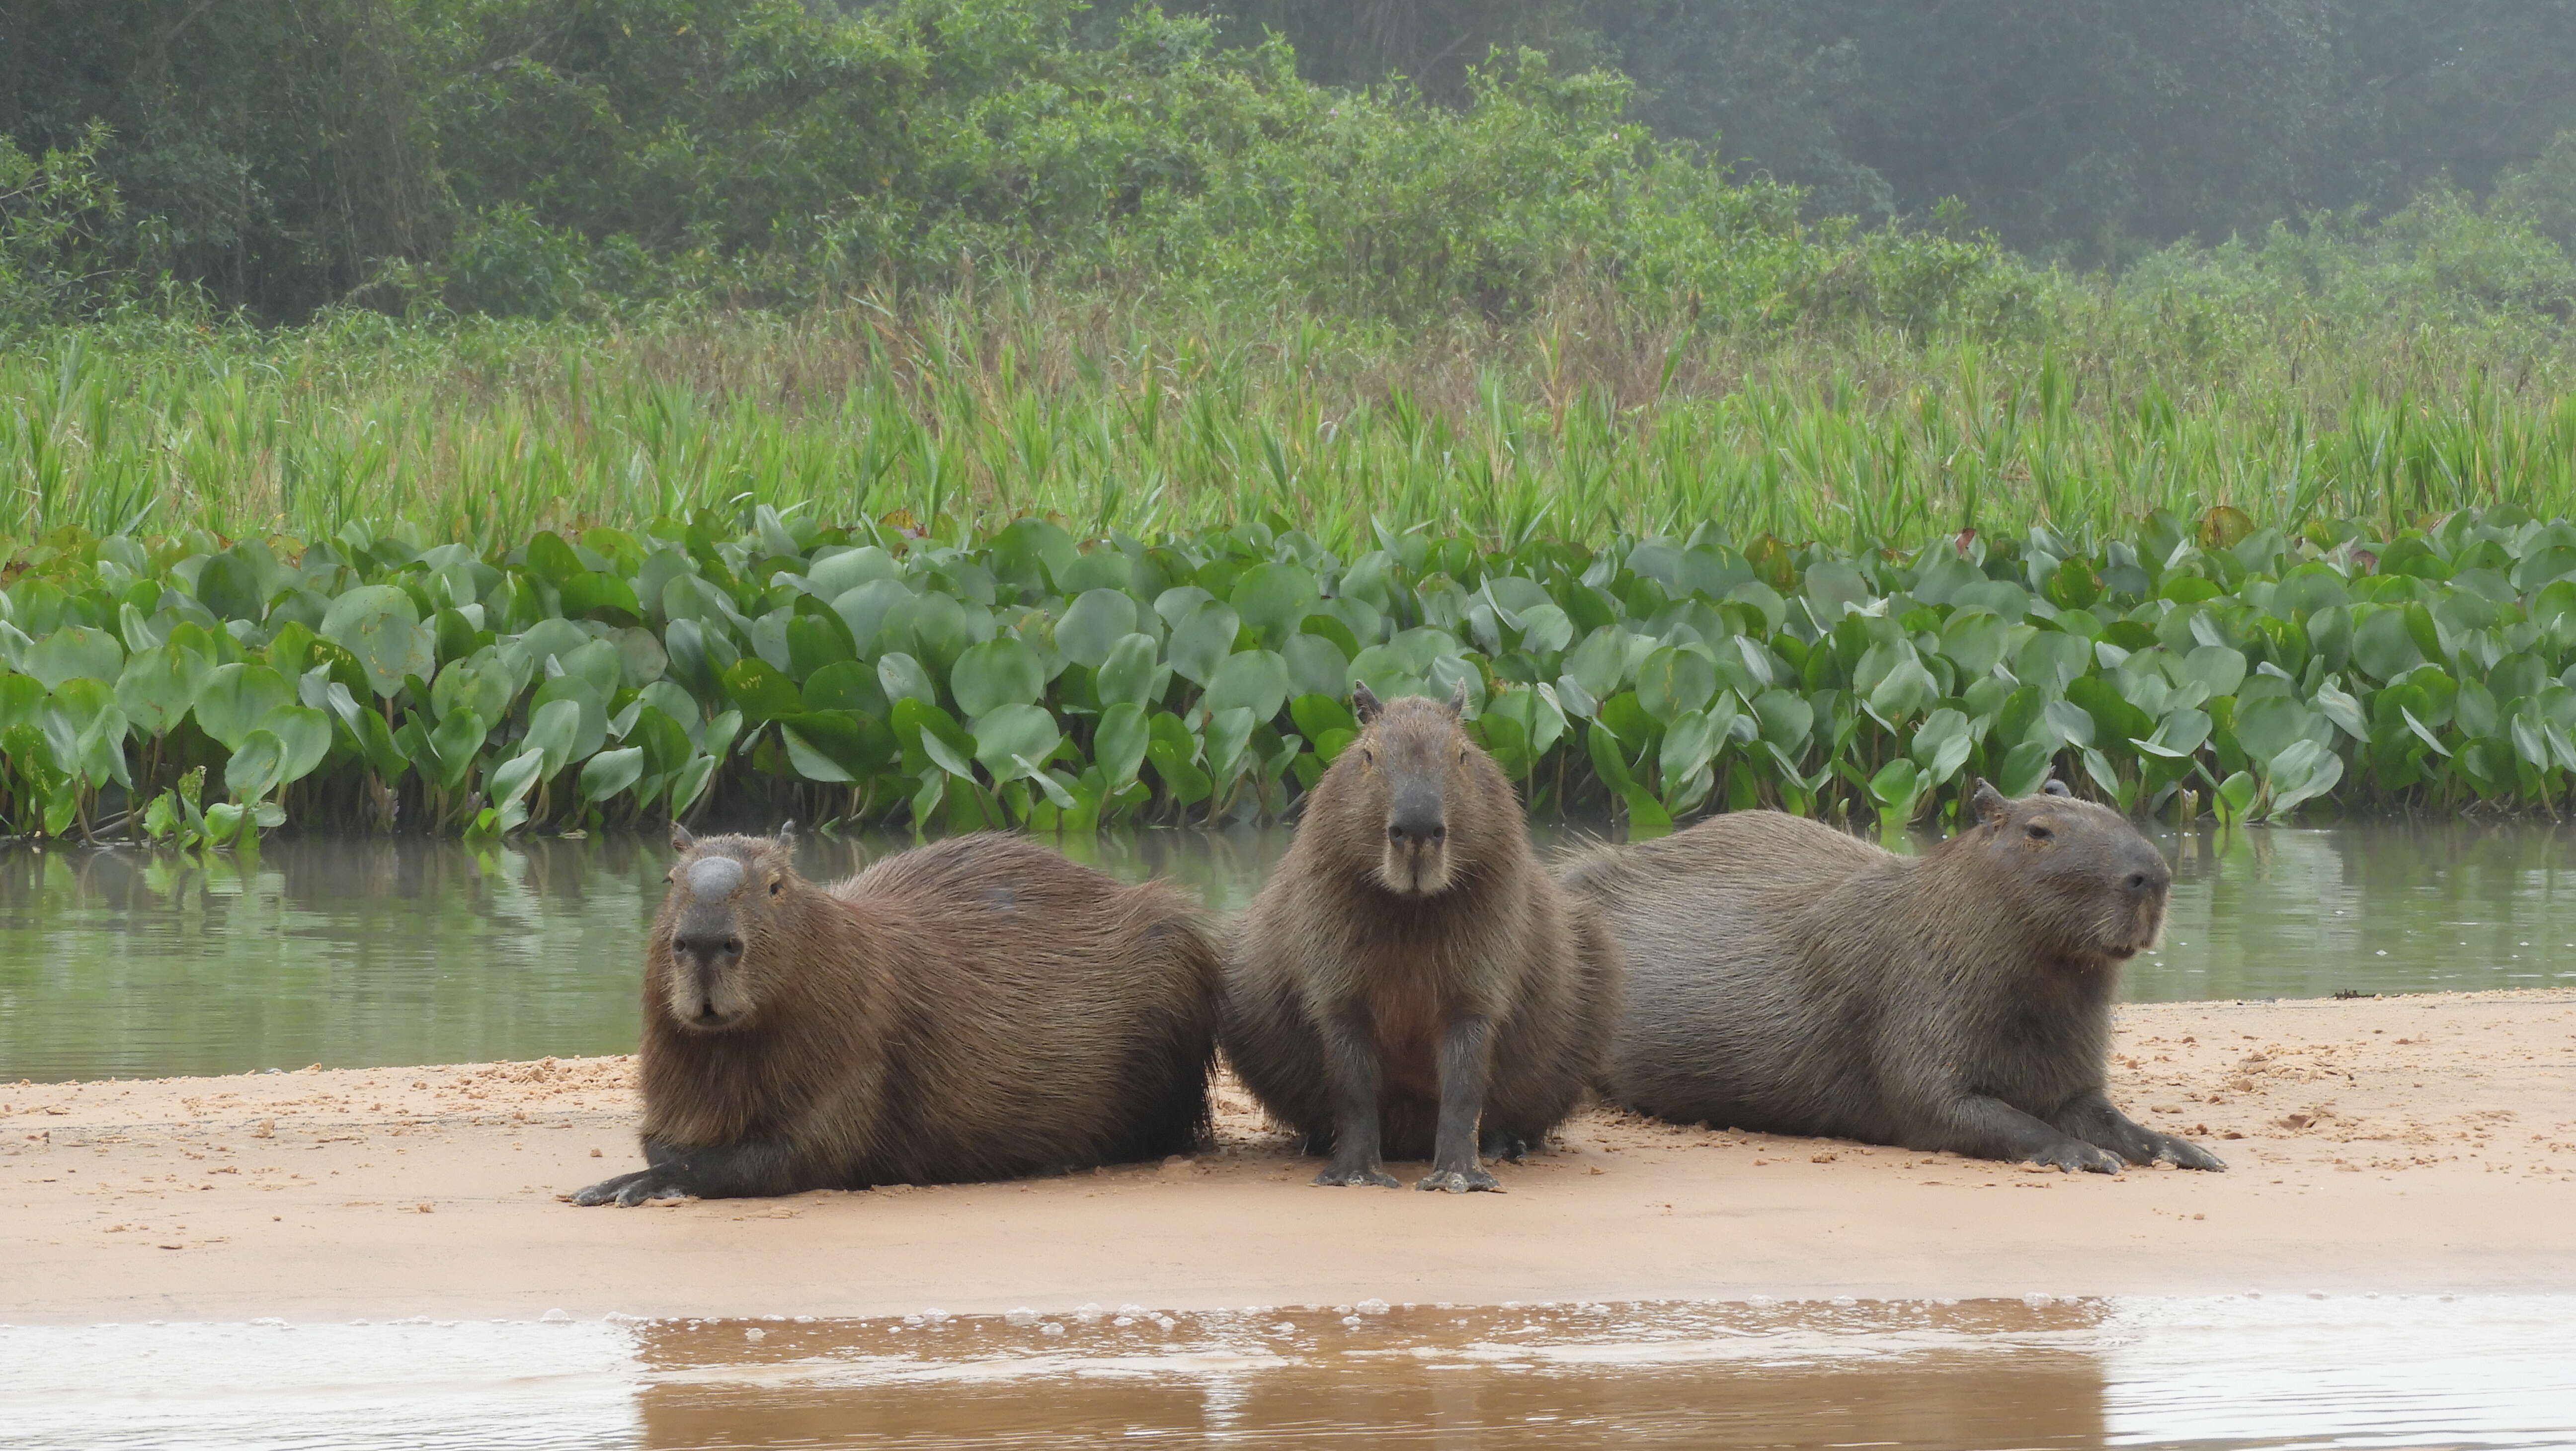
[[363, 953], [2244, 1371]]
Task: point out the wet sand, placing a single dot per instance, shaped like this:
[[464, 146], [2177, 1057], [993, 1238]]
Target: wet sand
[[2415, 1144]]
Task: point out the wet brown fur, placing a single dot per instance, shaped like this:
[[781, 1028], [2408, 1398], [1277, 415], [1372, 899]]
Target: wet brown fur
[[1787, 978], [1331, 931], [976, 1009]]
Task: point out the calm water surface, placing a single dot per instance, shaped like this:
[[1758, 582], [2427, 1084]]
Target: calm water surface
[[1907, 1376], [121, 963]]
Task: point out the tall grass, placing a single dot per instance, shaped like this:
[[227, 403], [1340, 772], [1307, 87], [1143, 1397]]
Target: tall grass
[[1590, 419]]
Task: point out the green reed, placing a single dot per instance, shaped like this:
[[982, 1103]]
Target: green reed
[[1591, 419]]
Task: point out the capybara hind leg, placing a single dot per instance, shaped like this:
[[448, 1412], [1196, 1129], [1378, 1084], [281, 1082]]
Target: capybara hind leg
[[1466, 1058], [2092, 1118], [1989, 1128], [1351, 1072]]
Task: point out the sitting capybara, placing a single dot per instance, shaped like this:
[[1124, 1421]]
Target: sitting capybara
[[976, 1009], [1786, 978], [1411, 976]]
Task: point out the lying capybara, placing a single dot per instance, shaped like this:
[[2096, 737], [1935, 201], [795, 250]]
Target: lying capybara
[[1410, 975], [1786, 978], [976, 1009]]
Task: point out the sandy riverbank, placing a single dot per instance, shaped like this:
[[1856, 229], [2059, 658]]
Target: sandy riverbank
[[2423, 1143]]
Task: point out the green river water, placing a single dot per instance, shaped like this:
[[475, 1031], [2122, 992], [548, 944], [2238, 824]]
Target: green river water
[[360, 952]]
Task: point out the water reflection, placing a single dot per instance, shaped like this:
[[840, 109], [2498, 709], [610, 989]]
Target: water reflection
[[1898, 1376], [2220, 1372], [357, 953]]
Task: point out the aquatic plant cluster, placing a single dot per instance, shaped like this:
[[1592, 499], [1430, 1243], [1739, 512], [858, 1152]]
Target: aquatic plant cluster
[[194, 689]]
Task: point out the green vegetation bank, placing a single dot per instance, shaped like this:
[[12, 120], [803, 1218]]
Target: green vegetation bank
[[490, 416]]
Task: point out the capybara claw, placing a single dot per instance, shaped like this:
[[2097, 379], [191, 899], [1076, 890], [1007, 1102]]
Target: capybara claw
[[606, 1189], [1459, 1181], [2069, 1157], [2184, 1154], [1357, 1179], [1507, 1147]]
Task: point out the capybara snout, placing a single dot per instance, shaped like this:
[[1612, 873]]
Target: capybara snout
[[1413, 761], [708, 961]]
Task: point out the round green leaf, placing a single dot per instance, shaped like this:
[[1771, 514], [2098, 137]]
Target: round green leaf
[[258, 764], [1118, 743], [552, 730], [1001, 671], [458, 739], [903, 679], [1672, 682], [380, 626], [1093, 626], [1014, 740], [1317, 664], [234, 699], [762, 690], [2382, 646], [590, 730], [851, 685], [1201, 639], [1273, 598], [1256, 680], [609, 772], [479, 683], [1131, 672], [304, 737], [75, 652], [160, 685]]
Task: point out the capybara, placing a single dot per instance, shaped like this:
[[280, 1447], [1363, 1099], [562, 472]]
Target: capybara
[[1786, 978], [975, 1009], [1411, 983]]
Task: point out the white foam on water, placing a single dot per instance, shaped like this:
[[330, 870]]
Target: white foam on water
[[516, 1386], [2357, 1371]]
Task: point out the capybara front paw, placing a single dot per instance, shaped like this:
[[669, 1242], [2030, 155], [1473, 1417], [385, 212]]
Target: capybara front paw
[[628, 1190], [2184, 1154], [1503, 1145], [2072, 1155], [1360, 1176], [1459, 1181], [606, 1190]]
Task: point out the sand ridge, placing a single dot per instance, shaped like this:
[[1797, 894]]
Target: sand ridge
[[2416, 1143]]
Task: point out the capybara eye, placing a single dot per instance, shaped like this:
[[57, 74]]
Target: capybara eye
[[1367, 756], [733, 947], [2040, 833], [773, 887]]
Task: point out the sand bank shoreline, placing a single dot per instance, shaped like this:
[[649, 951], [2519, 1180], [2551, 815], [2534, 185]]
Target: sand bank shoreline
[[2413, 1144]]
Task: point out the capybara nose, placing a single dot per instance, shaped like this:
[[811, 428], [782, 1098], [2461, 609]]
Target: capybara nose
[[705, 950], [1403, 832]]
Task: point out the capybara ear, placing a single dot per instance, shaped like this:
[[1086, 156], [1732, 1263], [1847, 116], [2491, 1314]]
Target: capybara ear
[[1364, 703], [2054, 787], [787, 836], [680, 838], [1458, 702], [1988, 803]]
